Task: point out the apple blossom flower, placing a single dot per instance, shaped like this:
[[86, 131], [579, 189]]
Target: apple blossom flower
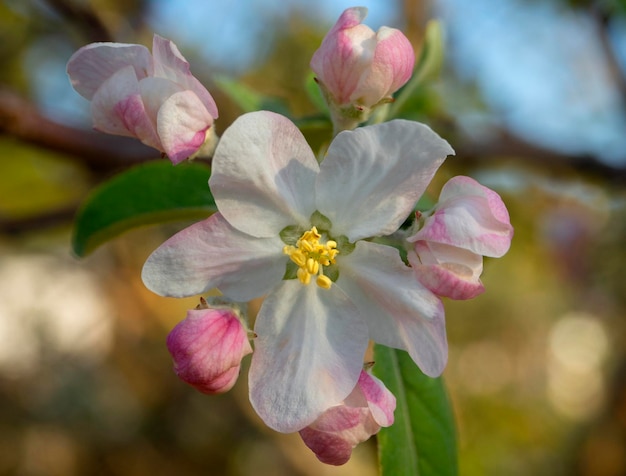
[[207, 348], [358, 69], [469, 221], [295, 231], [335, 433], [154, 98]]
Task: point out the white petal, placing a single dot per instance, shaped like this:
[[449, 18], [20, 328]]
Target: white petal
[[391, 66], [470, 216], [118, 108], [155, 91], [381, 402], [447, 270], [93, 64], [263, 175], [373, 176], [400, 312], [212, 254], [171, 64], [168, 60], [182, 123], [308, 354]]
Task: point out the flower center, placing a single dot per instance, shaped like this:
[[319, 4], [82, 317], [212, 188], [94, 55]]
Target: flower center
[[311, 256]]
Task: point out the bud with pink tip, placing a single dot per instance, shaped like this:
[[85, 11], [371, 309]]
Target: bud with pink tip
[[207, 348], [335, 433], [469, 221], [153, 97], [358, 69]]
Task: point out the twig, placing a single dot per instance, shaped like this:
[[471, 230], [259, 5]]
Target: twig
[[100, 152]]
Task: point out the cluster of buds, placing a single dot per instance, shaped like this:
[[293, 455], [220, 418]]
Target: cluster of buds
[[207, 348], [469, 221], [358, 69], [155, 98]]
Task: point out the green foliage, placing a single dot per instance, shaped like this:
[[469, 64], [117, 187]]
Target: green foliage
[[422, 440], [243, 96], [149, 193], [249, 100], [314, 93], [34, 181], [428, 66]]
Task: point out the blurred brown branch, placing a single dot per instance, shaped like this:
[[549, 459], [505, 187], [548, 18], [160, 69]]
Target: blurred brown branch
[[99, 152], [40, 221], [505, 145]]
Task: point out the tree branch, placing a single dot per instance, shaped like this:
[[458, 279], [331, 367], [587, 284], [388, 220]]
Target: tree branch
[[505, 145], [99, 152]]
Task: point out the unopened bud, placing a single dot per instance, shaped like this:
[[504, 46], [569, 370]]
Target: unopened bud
[[207, 348]]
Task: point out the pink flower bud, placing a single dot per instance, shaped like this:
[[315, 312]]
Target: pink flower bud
[[447, 270], [470, 221], [360, 67], [207, 348], [154, 98], [340, 428]]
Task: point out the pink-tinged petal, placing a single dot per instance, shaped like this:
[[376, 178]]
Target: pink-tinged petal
[[207, 348], [264, 174], [469, 216], [180, 118], [308, 354], [360, 67], [129, 90], [391, 67], [373, 176], [334, 434], [447, 270], [169, 63], [380, 401], [212, 254], [182, 123], [155, 91], [399, 311], [350, 17], [352, 59], [117, 108], [395, 51], [93, 64], [346, 51]]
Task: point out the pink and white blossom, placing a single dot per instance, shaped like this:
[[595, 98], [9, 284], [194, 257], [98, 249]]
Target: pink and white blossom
[[469, 221], [153, 97], [276, 202], [207, 348], [335, 433], [357, 66]]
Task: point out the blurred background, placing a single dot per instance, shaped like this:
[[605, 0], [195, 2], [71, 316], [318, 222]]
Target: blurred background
[[533, 98]]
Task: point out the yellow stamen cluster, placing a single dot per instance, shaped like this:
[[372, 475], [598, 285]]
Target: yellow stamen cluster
[[311, 256]]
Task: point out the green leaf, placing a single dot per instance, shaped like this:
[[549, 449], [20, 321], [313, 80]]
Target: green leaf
[[428, 65], [245, 97], [248, 99], [314, 93], [422, 440], [146, 194]]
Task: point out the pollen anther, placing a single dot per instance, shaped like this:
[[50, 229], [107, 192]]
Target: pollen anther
[[311, 256], [323, 281]]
